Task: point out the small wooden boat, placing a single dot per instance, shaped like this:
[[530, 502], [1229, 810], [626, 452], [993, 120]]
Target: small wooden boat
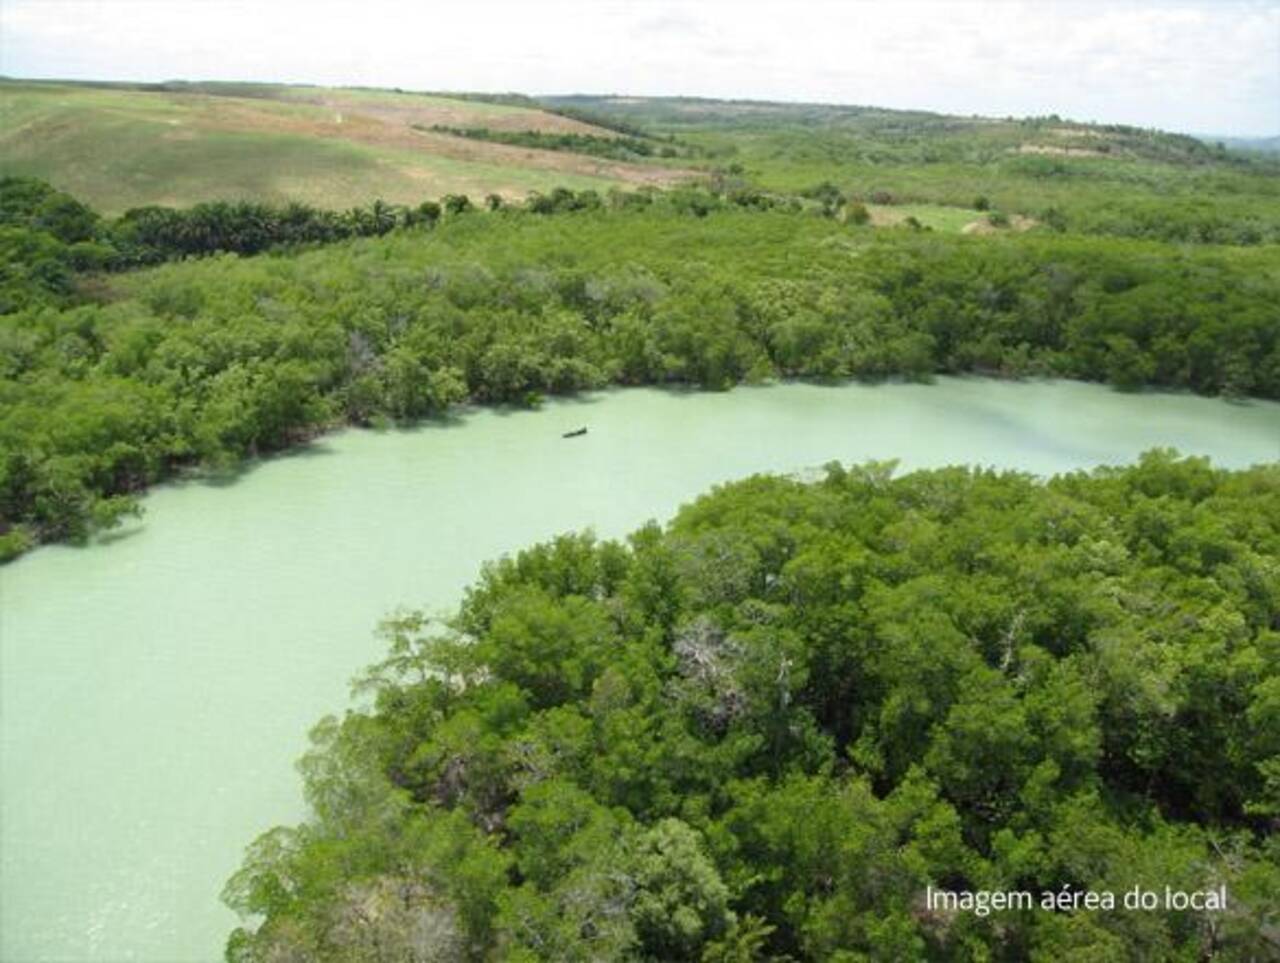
[[575, 433]]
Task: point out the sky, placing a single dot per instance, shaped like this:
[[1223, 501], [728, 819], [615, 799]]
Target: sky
[[1199, 66]]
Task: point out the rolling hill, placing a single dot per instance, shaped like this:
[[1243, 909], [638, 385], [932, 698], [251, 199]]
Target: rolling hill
[[121, 146], [1080, 177]]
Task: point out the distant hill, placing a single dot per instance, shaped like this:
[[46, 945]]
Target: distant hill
[[1049, 135], [124, 145], [1269, 145], [920, 169]]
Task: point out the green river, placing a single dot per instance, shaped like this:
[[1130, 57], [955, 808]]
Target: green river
[[157, 686]]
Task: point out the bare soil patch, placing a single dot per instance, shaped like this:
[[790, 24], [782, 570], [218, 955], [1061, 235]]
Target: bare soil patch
[[1060, 151], [1077, 132], [1017, 222], [884, 216]]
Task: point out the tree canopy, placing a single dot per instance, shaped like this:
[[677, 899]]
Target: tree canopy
[[761, 732]]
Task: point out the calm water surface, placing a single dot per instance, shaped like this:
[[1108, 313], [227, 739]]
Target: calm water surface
[[156, 687]]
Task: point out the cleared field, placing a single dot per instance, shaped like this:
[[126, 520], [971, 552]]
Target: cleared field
[[118, 147], [936, 216]]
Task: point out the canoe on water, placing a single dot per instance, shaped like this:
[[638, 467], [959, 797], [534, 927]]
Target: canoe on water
[[575, 433]]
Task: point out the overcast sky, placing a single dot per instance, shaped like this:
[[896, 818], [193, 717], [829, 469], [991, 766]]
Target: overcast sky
[[1205, 66]]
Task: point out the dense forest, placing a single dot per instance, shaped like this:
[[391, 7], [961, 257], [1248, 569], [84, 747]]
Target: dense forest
[[110, 381], [763, 732]]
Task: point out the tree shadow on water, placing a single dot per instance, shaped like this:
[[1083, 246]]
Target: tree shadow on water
[[227, 474], [549, 404], [113, 536]]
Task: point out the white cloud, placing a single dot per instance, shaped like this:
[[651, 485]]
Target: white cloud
[[1211, 66]]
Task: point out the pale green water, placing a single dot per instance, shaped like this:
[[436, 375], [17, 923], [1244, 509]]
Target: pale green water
[[156, 689]]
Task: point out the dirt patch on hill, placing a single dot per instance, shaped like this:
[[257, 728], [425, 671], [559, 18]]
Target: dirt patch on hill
[[1077, 132], [884, 215], [1059, 151], [1017, 222]]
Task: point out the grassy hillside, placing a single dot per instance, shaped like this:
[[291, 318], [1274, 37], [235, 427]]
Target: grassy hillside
[[120, 146]]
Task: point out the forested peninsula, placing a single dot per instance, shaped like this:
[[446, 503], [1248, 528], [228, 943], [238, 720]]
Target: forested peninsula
[[277, 323], [765, 731]]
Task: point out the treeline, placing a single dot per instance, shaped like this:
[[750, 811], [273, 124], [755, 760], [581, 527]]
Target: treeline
[[47, 236], [604, 119], [1127, 314], [215, 360], [150, 235], [623, 148], [763, 734]]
